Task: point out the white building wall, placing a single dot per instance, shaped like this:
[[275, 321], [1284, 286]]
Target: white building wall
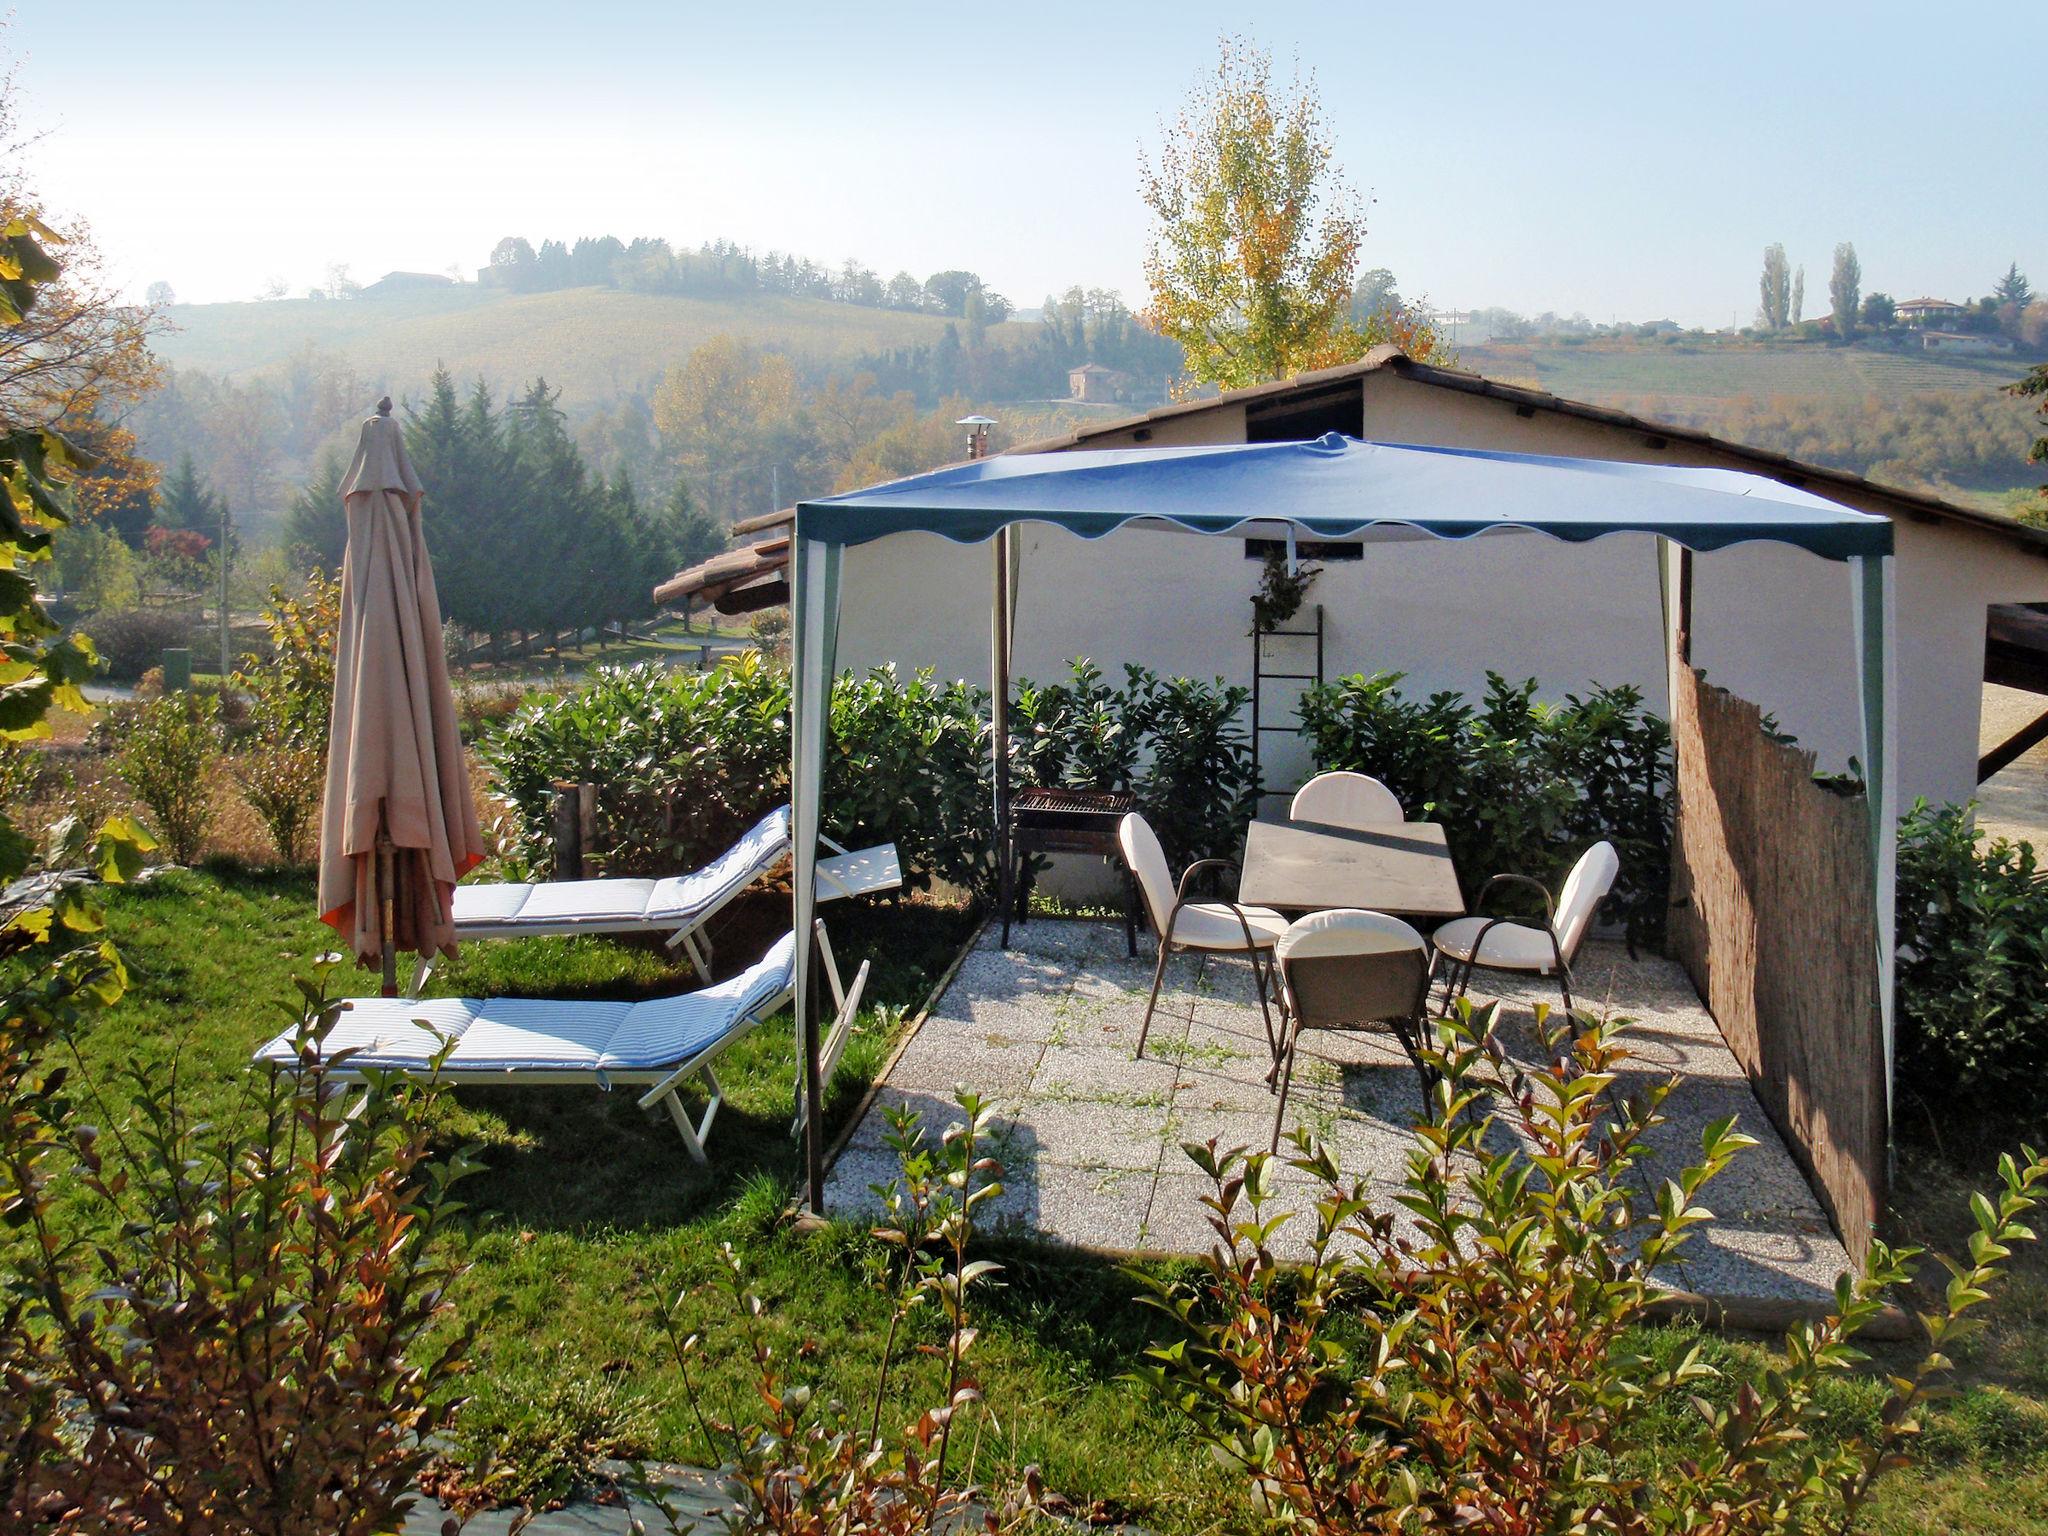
[[1772, 623]]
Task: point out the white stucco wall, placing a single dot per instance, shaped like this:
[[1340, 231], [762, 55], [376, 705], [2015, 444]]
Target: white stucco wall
[[1181, 603], [1770, 622]]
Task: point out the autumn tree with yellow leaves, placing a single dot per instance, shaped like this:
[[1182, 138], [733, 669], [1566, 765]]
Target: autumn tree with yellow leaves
[[78, 359], [1256, 234]]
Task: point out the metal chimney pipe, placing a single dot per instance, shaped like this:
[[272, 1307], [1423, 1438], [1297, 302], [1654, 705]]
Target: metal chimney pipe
[[977, 434]]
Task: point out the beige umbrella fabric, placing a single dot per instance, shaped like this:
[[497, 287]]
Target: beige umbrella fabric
[[394, 757]]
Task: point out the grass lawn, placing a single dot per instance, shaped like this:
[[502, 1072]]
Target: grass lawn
[[588, 1222]]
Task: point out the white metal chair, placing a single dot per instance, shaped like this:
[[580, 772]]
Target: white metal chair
[[1220, 927], [1345, 799], [1346, 968], [1479, 942]]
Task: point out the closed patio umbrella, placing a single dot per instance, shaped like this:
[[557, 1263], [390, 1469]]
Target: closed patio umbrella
[[397, 826]]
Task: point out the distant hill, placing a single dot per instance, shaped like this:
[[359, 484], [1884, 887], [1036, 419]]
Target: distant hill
[[1687, 380], [597, 342]]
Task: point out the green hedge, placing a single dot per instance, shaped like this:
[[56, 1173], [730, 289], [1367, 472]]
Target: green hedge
[[1973, 963], [685, 761], [1519, 786], [1176, 743]]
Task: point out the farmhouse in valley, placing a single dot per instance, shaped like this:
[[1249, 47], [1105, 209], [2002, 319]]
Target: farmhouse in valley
[[1091, 382], [1773, 623]]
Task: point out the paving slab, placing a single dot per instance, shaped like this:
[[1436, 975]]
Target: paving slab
[[1091, 1137]]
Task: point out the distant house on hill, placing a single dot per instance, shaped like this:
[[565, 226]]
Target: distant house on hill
[[1963, 342], [1919, 313], [405, 282], [1093, 383]]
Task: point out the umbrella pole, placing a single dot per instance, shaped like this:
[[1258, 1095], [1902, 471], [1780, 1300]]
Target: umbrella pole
[[386, 902]]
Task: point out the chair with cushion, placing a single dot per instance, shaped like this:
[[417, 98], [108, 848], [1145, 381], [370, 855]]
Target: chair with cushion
[[1345, 969], [1215, 927], [1345, 799], [1503, 944]]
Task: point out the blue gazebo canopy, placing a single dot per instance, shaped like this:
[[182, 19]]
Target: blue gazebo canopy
[[1340, 487], [1332, 488]]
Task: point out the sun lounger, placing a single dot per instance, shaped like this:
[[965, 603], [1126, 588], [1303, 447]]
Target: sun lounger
[[661, 1044], [678, 906]]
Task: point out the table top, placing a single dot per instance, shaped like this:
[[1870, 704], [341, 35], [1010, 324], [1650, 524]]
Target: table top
[[1304, 866]]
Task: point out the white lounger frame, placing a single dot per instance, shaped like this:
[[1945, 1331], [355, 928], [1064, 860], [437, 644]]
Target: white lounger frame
[[864, 872], [668, 1090]]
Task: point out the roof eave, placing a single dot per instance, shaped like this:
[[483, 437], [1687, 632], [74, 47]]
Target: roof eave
[[1778, 466], [1782, 467]]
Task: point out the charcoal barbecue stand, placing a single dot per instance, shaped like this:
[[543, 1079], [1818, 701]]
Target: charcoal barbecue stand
[[1064, 821]]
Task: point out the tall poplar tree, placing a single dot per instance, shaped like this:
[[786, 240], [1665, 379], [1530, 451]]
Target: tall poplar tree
[[1845, 290], [1255, 232], [1774, 290]]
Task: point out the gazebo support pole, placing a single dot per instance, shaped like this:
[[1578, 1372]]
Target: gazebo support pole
[[814, 618], [1876, 625], [999, 722]]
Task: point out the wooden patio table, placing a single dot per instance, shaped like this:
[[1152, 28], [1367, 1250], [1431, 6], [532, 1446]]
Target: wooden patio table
[[1305, 866]]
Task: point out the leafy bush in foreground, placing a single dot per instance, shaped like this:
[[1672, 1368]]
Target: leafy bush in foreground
[[222, 1329], [799, 1465], [1973, 961], [1457, 1359]]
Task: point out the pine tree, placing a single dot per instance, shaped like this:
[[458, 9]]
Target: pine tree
[[684, 533], [186, 503], [474, 506], [316, 523], [642, 565], [2013, 288], [559, 523]]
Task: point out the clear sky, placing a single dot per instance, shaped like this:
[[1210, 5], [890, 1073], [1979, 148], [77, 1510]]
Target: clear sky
[[1628, 161]]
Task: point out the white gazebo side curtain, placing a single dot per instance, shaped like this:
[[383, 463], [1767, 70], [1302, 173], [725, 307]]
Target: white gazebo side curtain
[[1334, 488]]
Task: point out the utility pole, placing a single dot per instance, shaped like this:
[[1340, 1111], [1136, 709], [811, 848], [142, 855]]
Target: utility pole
[[224, 667]]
